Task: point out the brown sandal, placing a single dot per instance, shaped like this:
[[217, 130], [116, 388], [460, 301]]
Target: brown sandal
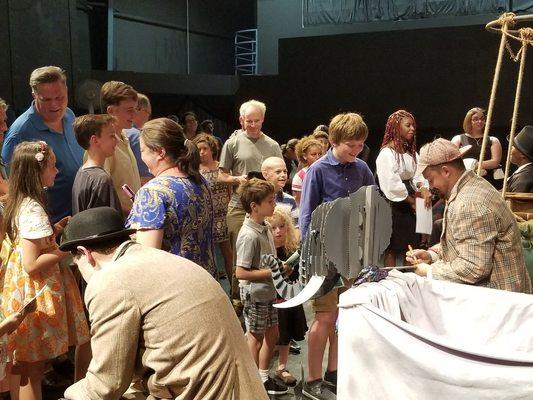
[[285, 376]]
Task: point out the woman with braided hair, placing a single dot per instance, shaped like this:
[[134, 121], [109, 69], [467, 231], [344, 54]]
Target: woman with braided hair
[[395, 168]]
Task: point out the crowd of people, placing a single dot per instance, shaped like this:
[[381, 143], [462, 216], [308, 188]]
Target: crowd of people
[[120, 195]]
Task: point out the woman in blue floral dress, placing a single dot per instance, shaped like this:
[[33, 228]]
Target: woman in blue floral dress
[[174, 210]]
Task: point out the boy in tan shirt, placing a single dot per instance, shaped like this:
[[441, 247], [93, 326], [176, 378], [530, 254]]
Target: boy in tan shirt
[[120, 100]]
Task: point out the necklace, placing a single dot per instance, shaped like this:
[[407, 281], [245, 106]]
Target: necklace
[[172, 171], [479, 140]]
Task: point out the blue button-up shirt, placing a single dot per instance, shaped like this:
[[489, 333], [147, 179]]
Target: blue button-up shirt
[[69, 154], [133, 135], [326, 180]]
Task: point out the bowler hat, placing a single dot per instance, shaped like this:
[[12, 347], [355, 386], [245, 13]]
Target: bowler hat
[[96, 225], [524, 141]]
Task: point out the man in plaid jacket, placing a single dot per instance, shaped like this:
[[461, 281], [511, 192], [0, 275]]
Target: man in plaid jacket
[[480, 241]]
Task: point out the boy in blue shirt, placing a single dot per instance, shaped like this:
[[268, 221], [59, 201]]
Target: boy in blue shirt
[[336, 174]]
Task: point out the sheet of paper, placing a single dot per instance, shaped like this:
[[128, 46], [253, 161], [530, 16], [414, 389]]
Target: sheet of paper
[[424, 217], [308, 291], [34, 298]]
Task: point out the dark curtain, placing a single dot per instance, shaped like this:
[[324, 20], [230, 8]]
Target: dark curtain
[[317, 12]]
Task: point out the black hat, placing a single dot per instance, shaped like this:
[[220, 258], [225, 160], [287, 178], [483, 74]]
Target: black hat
[[524, 141], [96, 225]]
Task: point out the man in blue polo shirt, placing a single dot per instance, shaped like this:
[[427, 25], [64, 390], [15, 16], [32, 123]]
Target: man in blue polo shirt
[[337, 174], [50, 120]]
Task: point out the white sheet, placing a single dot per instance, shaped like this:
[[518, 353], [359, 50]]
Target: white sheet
[[410, 338]]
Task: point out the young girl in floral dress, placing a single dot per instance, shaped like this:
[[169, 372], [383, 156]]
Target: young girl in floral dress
[[30, 262]]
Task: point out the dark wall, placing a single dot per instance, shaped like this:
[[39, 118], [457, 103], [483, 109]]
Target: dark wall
[[437, 74], [147, 47], [44, 41], [6, 86], [73, 35], [282, 19]]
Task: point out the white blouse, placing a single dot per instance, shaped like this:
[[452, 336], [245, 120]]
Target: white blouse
[[32, 220], [391, 173]]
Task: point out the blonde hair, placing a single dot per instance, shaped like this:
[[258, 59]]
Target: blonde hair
[[113, 92], [467, 122], [292, 241], [47, 74], [252, 103], [3, 104], [347, 126], [320, 135], [143, 101], [304, 145]]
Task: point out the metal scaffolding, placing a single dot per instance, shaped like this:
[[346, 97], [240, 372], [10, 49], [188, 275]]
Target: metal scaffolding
[[246, 52]]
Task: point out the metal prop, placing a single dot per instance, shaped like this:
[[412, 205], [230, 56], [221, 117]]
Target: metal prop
[[344, 236]]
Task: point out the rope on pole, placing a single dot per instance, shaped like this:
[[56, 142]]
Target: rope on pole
[[505, 20], [526, 36]]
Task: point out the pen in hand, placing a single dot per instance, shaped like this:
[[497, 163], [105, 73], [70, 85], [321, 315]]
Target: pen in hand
[[415, 260]]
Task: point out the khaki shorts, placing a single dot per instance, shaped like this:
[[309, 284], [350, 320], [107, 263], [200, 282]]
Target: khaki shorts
[[326, 303], [329, 301]]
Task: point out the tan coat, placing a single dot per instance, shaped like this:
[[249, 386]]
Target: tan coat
[[480, 241], [164, 320]]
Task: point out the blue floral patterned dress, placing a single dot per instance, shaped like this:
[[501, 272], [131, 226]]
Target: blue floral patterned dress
[[183, 209]]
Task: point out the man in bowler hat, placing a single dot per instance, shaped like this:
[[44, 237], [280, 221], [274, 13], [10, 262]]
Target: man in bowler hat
[[157, 319], [522, 156]]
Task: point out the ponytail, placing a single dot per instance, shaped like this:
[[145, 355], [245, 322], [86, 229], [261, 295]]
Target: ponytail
[[183, 153], [189, 162]]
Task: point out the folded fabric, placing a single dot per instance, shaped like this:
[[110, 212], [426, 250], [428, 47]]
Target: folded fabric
[[406, 337]]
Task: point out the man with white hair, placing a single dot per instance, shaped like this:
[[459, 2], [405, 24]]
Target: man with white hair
[[50, 120], [243, 153]]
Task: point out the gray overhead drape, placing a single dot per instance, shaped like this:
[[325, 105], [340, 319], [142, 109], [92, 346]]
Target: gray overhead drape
[[316, 12]]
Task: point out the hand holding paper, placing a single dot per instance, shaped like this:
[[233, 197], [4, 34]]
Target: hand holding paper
[[31, 304]]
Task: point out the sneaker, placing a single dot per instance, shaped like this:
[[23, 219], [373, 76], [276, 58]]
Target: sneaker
[[316, 391], [330, 380], [273, 387]]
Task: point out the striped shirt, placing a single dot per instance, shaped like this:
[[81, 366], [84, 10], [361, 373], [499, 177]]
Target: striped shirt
[[297, 181], [288, 203], [480, 241]]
